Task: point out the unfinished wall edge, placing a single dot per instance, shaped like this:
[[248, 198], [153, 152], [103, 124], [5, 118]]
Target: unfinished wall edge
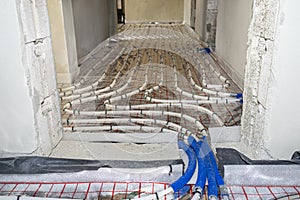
[[38, 62], [70, 38], [257, 76]]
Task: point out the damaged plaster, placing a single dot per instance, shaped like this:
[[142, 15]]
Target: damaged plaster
[[257, 76], [36, 62], [38, 59]]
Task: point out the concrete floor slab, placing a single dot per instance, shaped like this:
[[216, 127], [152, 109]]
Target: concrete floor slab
[[116, 151]]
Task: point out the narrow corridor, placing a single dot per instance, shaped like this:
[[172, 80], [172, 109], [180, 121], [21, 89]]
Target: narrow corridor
[[149, 79]]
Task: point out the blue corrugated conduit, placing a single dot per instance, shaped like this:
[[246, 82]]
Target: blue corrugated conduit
[[207, 170], [216, 183], [212, 188], [220, 182], [183, 180], [198, 151], [198, 189]]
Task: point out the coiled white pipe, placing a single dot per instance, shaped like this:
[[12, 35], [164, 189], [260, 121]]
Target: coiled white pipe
[[220, 94], [198, 102], [96, 96], [114, 128], [208, 91], [181, 105], [203, 99], [193, 96], [183, 132], [79, 92], [183, 51], [217, 73], [130, 94], [73, 87], [197, 123]]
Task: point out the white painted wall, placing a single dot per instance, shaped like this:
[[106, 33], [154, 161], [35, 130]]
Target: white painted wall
[[232, 35], [91, 20], [283, 124], [17, 130], [30, 120]]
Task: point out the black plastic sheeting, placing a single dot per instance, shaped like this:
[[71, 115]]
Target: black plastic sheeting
[[41, 165], [296, 155], [229, 156]]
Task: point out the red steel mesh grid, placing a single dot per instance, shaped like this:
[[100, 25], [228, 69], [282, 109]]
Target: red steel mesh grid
[[264, 192], [129, 190]]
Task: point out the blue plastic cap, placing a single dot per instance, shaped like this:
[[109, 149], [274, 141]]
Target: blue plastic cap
[[239, 95], [207, 50]]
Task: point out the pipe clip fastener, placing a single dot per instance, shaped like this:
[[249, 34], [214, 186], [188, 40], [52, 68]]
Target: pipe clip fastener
[[213, 197], [181, 136], [198, 190], [223, 190]]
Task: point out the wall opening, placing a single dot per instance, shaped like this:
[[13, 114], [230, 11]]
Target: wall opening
[[141, 11], [154, 80], [121, 11], [91, 23], [77, 27]]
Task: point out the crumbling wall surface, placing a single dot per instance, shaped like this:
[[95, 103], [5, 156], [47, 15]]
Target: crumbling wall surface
[[211, 23], [38, 63], [261, 42]]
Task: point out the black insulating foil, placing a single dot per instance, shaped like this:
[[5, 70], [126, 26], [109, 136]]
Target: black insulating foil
[[296, 155], [41, 165], [229, 156]]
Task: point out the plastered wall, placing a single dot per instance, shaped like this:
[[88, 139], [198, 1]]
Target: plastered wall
[[63, 39], [30, 121], [154, 10], [232, 35], [206, 21], [200, 27], [284, 123], [91, 21], [16, 116], [271, 116], [187, 12]]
